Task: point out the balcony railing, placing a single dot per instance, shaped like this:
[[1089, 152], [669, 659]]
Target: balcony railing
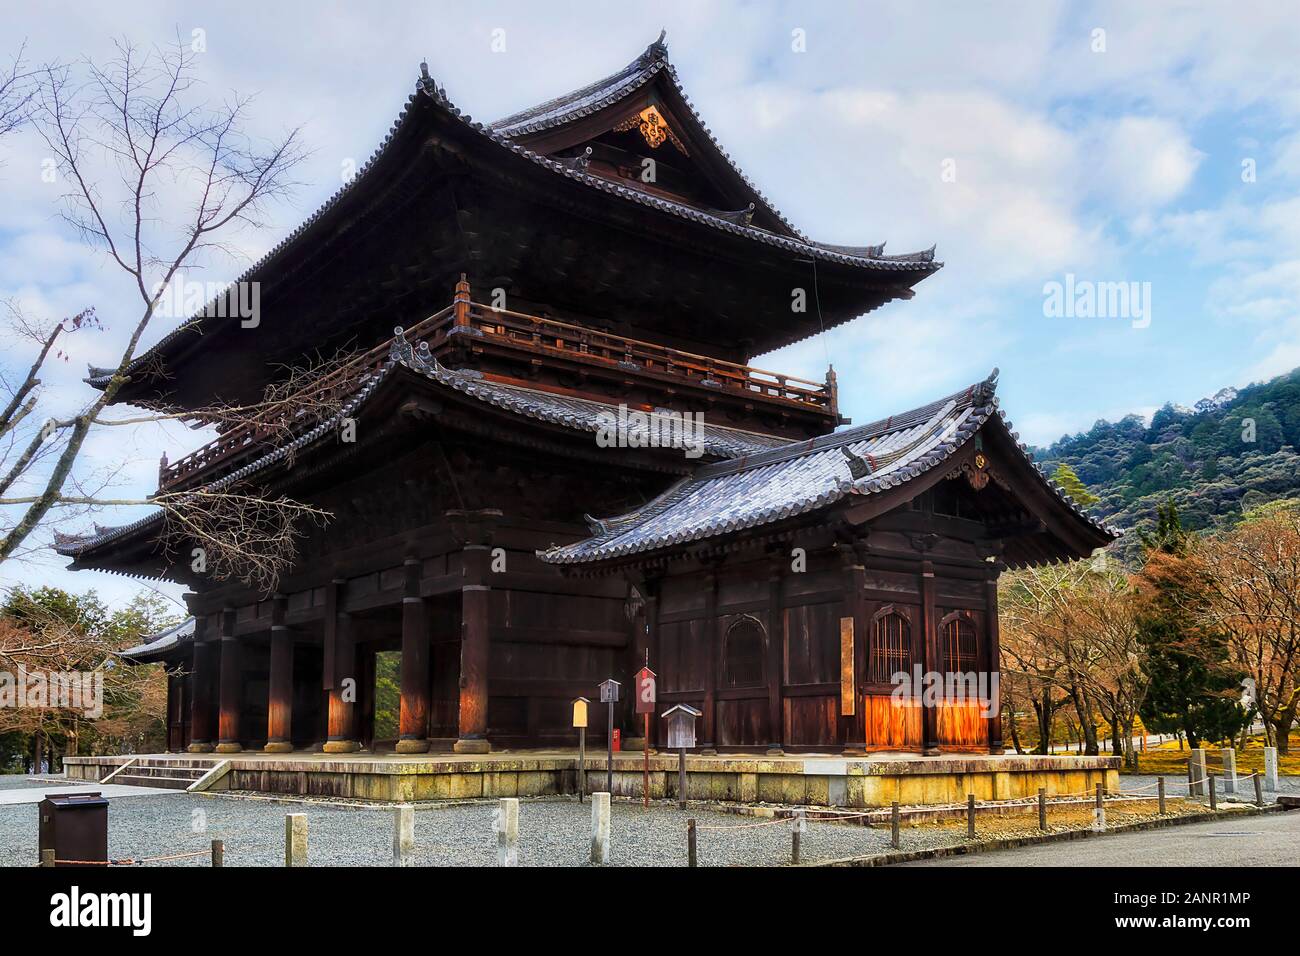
[[535, 335], [538, 334]]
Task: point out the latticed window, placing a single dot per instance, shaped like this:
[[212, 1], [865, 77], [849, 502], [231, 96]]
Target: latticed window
[[743, 654], [891, 648], [959, 646]]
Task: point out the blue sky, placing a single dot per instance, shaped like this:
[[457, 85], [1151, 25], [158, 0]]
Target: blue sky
[[1114, 164]]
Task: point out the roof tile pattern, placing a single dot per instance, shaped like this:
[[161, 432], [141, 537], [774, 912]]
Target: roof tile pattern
[[804, 476]]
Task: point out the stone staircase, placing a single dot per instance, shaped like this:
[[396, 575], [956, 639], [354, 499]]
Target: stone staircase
[[167, 773]]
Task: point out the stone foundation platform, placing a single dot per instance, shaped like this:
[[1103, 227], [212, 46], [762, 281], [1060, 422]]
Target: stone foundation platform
[[854, 782]]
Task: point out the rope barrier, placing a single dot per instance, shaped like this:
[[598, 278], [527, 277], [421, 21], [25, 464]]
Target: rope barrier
[[129, 861]]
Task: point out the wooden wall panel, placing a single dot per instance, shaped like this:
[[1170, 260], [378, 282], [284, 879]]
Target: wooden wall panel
[[812, 644], [810, 721], [962, 725], [682, 656], [890, 726], [743, 722]]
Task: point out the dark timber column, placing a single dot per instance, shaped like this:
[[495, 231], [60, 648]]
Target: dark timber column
[[413, 722], [173, 710], [201, 724], [775, 657], [231, 680], [475, 595], [993, 661], [930, 657], [279, 705], [712, 648], [854, 583], [342, 664]]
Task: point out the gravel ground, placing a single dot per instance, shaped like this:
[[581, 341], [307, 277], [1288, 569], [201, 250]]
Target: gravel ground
[[551, 833]]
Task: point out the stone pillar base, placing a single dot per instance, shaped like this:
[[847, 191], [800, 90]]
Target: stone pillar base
[[472, 745], [340, 747], [412, 745], [855, 750], [278, 747], [997, 751], [228, 748], [775, 751], [199, 747], [931, 752]]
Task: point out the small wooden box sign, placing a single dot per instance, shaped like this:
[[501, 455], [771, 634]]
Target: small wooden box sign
[[681, 726], [645, 691], [580, 712], [848, 697], [609, 691]]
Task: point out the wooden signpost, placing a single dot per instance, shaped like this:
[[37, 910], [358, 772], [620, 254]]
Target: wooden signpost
[[645, 706], [681, 734], [609, 697], [580, 721]]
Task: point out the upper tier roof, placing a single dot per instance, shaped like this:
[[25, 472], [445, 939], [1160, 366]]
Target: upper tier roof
[[854, 280]]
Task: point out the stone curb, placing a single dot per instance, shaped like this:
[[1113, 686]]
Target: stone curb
[[1011, 843]]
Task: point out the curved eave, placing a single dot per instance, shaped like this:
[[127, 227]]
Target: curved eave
[[428, 107]]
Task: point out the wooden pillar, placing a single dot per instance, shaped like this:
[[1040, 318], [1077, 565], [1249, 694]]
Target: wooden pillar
[[174, 743], [201, 680], [930, 657], [854, 583], [993, 662], [413, 720], [231, 687], [279, 705], [342, 736], [775, 657], [712, 649], [475, 598], [461, 302]]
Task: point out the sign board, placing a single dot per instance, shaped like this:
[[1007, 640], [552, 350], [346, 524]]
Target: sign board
[[848, 696], [645, 691], [609, 691], [580, 711], [681, 726]]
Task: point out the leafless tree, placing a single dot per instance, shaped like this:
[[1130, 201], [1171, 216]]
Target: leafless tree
[[157, 180], [16, 92]]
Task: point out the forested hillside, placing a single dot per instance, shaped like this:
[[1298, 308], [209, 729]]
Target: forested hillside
[[1230, 453]]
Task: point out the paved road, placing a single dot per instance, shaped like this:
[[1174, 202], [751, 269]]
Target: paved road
[[29, 790], [1269, 840]]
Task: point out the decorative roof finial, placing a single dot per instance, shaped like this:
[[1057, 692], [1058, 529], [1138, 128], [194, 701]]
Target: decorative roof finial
[[424, 69], [659, 48], [982, 394], [858, 466]]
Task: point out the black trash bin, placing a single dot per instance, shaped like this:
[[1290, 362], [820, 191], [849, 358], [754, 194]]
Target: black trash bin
[[75, 827]]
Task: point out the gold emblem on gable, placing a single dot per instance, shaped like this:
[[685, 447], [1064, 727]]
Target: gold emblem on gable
[[653, 127]]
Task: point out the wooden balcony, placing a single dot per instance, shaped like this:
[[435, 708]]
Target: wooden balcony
[[471, 326]]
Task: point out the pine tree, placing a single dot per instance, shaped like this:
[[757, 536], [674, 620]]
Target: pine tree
[[1065, 477]]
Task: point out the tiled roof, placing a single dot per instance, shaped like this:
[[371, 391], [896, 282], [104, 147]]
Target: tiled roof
[[864, 257], [156, 644], [801, 477], [579, 414], [619, 86]]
